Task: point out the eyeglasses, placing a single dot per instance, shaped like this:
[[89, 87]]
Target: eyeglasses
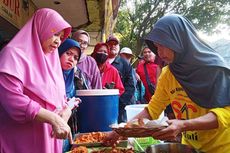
[[82, 42]]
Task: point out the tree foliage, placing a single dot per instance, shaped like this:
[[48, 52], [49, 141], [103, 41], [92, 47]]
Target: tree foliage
[[136, 19]]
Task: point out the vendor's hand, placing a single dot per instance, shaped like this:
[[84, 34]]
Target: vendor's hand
[[170, 133], [65, 113], [60, 129], [111, 139]]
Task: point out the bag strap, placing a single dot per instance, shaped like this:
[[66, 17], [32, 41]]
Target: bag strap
[[148, 79]]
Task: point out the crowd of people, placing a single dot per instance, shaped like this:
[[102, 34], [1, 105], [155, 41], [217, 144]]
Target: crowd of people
[[43, 66]]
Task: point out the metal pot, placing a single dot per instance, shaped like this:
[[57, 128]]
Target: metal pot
[[171, 148]]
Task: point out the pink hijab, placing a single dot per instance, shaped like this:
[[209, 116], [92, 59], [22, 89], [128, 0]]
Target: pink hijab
[[24, 58]]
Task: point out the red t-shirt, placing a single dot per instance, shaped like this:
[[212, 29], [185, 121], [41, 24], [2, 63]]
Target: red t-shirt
[[111, 74], [152, 72]]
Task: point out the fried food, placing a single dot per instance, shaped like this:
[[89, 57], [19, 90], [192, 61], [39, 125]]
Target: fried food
[[135, 123], [81, 149], [91, 137], [114, 150]]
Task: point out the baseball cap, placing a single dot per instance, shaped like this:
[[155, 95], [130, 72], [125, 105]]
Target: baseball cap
[[112, 38], [126, 50]]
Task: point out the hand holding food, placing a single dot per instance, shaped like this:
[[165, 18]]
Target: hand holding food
[[171, 132], [140, 127], [111, 139]]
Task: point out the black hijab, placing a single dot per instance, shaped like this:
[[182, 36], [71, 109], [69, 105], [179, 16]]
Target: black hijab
[[200, 70]]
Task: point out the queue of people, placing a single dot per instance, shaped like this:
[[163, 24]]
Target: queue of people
[[125, 70], [39, 75]]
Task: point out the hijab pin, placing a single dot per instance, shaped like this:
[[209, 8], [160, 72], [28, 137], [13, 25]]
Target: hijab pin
[[53, 30]]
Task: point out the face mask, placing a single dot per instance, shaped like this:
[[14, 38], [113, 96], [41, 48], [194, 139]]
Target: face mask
[[101, 58]]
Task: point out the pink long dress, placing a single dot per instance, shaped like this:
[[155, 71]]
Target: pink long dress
[[19, 133], [30, 80]]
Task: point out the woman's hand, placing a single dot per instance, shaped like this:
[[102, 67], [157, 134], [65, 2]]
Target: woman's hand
[[61, 130], [205, 122], [65, 113], [111, 139], [171, 132]]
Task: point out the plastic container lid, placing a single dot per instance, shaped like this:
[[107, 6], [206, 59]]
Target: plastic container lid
[[133, 110], [136, 106], [97, 92]]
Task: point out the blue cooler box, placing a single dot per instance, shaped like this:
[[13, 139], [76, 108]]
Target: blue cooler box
[[98, 110]]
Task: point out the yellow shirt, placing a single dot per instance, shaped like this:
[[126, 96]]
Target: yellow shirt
[[170, 91]]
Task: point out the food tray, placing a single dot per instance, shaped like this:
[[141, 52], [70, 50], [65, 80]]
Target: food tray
[[111, 150], [122, 143], [136, 131], [93, 144], [107, 150]]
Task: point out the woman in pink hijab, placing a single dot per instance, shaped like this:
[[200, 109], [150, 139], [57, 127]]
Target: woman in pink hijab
[[33, 111]]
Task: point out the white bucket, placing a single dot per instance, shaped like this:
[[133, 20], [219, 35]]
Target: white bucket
[[133, 110]]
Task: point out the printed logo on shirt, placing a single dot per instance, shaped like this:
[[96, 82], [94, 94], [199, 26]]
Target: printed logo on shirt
[[180, 109], [186, 109], [191, 135], [183, 108], [176, 89]]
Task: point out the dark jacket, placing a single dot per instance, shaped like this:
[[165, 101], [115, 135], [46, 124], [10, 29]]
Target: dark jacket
[[125, 71]]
